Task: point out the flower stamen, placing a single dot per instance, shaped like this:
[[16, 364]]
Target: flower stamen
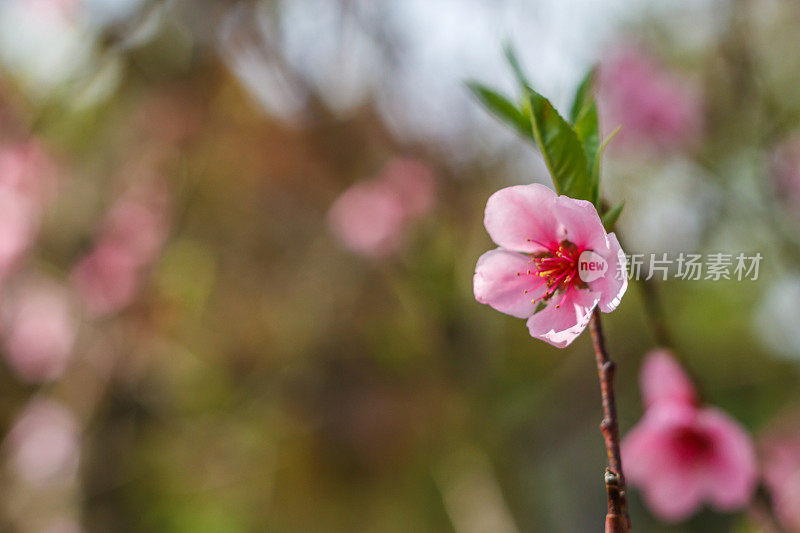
[[557, 267]]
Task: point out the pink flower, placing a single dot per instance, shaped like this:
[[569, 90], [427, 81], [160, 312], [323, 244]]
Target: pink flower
[[27, 184], [663, 380], [137, 227], [19, 222], [372, 217], [785, 172], [682, 455], [39, 331], [26, 169], [535, 272], [43, 445], [413, 182], [109, 278], [780, 452], [654, 106]]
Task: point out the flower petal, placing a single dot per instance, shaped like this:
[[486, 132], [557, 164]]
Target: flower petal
[[501, 281], [663, 380], [646, 448], [733, 472], [673, 487], [614, 283], [676, 495], [642, 452], [581, 223], [369, 219], [561, 324], [516, 216]]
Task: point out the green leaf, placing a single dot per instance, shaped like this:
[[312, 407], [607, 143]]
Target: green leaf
[[511, 57], [587, 129], [595, 178], [502, 107], [583, 115], [583, 96], [610, 217], [562, 149]]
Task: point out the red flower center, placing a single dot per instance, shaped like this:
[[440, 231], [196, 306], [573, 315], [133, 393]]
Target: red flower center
[[692, 445], [558, 267]]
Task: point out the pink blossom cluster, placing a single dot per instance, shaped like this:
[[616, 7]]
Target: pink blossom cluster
[[655, 107], [682, 454], [110, 276], [372, 217], [27, 185], [37, 323], [39, 318], [41, 315]]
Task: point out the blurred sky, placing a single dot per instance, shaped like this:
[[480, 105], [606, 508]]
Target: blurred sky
[[411, 57], [432, 47]]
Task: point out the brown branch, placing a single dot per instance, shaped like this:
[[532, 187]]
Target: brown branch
[[617, 520]]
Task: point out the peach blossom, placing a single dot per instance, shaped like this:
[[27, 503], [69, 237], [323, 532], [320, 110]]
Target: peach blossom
[[682, 455], [107, 279], [134, 231], [43, 445], [780, 453], [38, 331], [534, 274], [372, 217], [27, 184], [655, 107]]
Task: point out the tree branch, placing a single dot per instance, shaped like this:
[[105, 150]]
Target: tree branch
[[617, 520], [655, 315]]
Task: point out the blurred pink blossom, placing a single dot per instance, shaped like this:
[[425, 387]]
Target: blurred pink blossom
[[414, 183], [785, 172], [682, 455], [18, 226], [780, 452], [28, 170], [110, 276], [534, 274], [371, 218], [43, 445], [663, 380], [38, 331], [655, 107], [107, 279], [27, 185], [138, 227]]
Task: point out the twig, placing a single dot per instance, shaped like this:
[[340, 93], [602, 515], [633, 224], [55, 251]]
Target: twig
[[617, 520], [652, 305]]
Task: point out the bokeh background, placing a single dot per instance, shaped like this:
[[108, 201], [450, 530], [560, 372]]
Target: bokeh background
[[196, 338]]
